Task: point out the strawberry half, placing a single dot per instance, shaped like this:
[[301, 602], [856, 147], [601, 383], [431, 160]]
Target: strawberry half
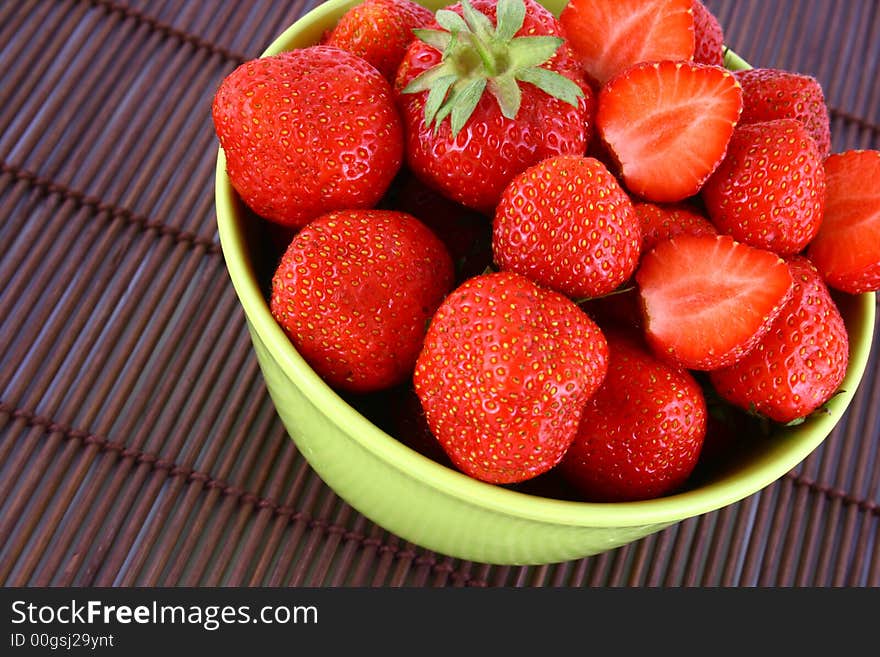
[[708, 300], [847, 248], [609, 36], [668, 124]]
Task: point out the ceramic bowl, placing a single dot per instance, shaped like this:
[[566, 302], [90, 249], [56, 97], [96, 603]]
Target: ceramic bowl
[[437, 507]]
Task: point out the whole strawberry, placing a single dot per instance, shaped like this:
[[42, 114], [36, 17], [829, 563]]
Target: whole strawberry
[[306, 132], [770, 94], [380, 31], [567, 224], [769, 191], [641, 434], [660, 222], [708, 36], [354, 292], [483, 100], [800, 363], [505, 371], [847, 248]]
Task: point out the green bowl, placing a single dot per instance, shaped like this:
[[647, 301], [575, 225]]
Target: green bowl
[[443, 510]]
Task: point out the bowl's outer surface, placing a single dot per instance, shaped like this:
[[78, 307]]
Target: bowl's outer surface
[[446, 511]]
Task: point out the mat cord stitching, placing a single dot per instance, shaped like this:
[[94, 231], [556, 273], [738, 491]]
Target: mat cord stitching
[[834, 493], [227, 490], [50, 187], [167, 30]]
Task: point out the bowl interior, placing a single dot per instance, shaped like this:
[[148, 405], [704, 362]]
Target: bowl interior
[[756, 461]]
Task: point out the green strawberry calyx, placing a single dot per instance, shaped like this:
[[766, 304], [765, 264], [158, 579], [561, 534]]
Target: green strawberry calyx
[[478, 56]]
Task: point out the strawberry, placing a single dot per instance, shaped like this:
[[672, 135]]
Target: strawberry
[[512, 92], [609, 36], [770, 94], [566, 224], [708, 36], [660, 222], [769, 191], [708, 300], [380, 31], [847, 248], [354, 292], [800, 363], [668, 124], [641, 434], [505, 371], [306, 132]]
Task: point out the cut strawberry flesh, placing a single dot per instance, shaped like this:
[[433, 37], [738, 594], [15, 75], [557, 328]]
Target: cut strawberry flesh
[[708, 299], [847, 248], [668, 124], [609, 36]]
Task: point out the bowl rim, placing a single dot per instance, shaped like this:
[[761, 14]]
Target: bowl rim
[[663, 510]]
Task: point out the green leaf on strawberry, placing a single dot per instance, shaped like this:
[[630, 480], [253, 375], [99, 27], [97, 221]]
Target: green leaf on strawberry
[[477, 56]]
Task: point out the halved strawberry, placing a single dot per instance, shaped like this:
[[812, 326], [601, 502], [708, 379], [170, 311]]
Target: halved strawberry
[[609, 36], [668, 124], [708, 300], [847, 248]]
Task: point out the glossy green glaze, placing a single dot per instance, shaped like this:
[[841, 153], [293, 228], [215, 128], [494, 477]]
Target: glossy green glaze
[[446, 511]]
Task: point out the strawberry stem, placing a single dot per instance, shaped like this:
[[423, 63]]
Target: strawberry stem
[[477, 56]]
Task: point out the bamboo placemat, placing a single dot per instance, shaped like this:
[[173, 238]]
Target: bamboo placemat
[[138, 445]]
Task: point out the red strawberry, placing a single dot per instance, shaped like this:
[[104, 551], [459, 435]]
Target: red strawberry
[[609, 36], [770, 94], [769, 191], [641, 434], [708, 36], [306, 132], [513, 95], [506, 369], [354, 292], [708, 300], [661, 222], [380, 31], [800, 363], [668, 124], [847, 248], [566, 224]]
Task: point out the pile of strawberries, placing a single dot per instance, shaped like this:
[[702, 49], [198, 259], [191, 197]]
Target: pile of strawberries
[[559, 242]]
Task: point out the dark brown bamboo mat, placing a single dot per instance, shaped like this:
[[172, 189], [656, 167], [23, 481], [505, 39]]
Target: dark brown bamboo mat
[[138, 445]]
